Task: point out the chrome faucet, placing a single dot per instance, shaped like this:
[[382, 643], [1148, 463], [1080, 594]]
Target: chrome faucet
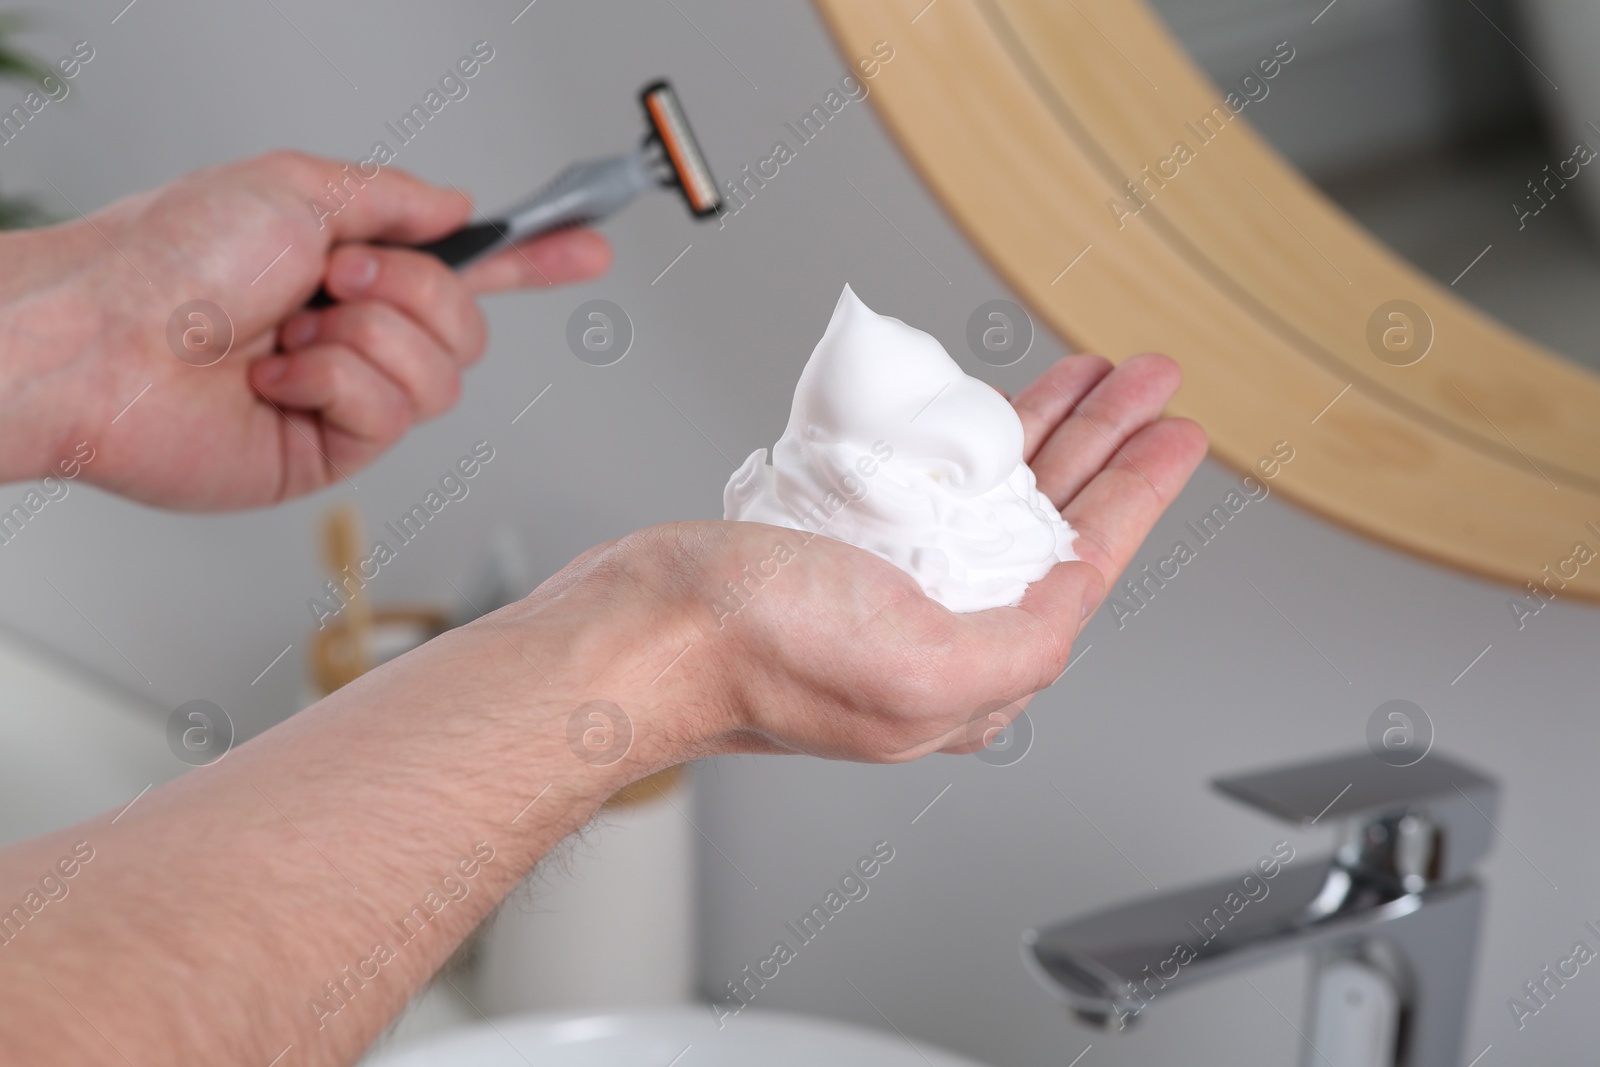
[[1389, 920]]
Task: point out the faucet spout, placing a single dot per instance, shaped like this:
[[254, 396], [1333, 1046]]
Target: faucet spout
[[1111, 965], [1391, 914]]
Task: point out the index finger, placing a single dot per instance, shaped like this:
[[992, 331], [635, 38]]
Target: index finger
[[1023, 649], [358, 202], [568, 255], [1046, 401], [1115, 511]]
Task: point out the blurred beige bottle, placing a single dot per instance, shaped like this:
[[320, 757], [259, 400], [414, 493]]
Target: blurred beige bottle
[[607, 924]]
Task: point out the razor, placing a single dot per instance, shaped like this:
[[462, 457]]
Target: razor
[[669, 157]]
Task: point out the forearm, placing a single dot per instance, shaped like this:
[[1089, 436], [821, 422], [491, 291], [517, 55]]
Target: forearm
[[272, 898]]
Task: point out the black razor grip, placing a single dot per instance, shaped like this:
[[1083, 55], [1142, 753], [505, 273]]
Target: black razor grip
[[466, 244], [455, 249]]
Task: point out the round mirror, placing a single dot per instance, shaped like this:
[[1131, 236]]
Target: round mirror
[[1420, 344], [1462, 150]]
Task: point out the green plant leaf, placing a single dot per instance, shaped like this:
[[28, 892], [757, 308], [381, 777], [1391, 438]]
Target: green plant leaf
[[15, 63], [17, 213]]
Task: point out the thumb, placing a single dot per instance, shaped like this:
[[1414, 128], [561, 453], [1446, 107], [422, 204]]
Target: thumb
[[1063, 601], [1066, 597], [1024, 649]]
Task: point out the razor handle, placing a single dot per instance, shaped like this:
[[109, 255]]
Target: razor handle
[[466, 246]]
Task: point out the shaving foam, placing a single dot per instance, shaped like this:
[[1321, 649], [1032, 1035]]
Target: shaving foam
[[893, 448]]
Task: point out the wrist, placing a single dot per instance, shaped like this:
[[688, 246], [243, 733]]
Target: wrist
[[43, 256], [625, 667], [48, 322]]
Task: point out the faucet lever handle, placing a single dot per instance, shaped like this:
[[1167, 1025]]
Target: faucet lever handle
[[1382, 806]]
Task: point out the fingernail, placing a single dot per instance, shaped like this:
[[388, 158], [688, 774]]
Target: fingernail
[[270, 369], [354, 270], [299, 331]]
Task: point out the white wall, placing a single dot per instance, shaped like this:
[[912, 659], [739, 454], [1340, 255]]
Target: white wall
[[1207, 680]]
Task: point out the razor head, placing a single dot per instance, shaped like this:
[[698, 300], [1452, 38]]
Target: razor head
[[670, 128]]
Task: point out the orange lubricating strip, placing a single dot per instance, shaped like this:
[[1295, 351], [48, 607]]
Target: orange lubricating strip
[[666, 129]]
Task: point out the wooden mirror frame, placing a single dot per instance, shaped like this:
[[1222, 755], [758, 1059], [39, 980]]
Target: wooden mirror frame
[[1029, 119]]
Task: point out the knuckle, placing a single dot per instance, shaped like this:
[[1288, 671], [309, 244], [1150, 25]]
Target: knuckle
[[394, 419], [429, 282], [338, 371], [389, 412], [431, 287], [475, 341], [442, 396], [1058, 654], [440, 293], [361, 326], [289, 162]]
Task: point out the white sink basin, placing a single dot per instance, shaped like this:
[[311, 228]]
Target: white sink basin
[[679, 1037]]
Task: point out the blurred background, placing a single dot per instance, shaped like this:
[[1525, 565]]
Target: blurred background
[[1423, 117]]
